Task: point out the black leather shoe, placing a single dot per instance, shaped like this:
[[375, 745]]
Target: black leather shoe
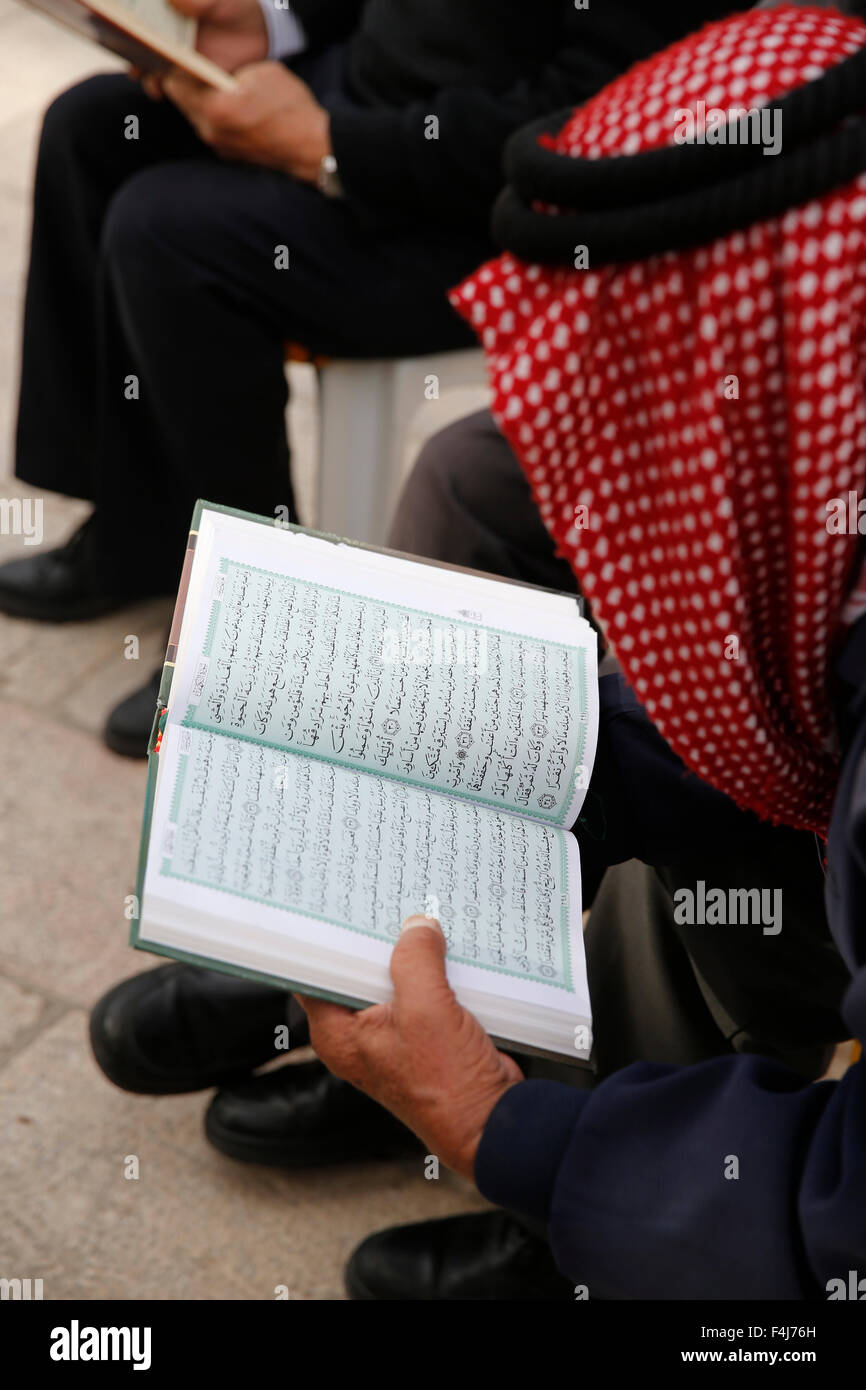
[[302, 1116], [55, 586], [485, 1255], [180, 1028], [128, 728]]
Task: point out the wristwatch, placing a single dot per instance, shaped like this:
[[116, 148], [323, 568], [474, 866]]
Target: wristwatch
[[328, 181]]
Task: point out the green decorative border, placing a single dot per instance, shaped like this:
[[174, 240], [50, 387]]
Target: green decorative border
[[167, 872], [211, 628], [557, 819], [182, 766]]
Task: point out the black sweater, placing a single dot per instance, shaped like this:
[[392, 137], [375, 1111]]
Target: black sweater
[[483, 68]]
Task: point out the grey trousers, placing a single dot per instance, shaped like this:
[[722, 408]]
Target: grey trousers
[[661, 992]]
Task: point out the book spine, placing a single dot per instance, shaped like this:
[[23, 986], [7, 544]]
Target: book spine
[[180, 602], [173, 639]]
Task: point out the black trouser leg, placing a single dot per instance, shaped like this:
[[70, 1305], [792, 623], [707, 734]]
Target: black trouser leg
[[203, 270], [196, 303], [84, 157], [467, 502], [192, 400]]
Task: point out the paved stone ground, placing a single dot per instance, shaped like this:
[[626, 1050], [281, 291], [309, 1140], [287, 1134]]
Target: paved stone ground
[[195, 1225]]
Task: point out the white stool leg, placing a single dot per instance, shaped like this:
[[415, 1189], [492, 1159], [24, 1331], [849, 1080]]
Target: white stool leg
[[354, 447], [460, 373], [366, 410]]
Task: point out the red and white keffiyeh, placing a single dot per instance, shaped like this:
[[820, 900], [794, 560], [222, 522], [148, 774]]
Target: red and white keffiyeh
[[685, 423]]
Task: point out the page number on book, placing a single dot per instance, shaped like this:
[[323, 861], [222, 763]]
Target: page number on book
[[199, 680]]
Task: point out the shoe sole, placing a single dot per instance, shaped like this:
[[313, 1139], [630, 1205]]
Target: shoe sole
[[318, 1153]]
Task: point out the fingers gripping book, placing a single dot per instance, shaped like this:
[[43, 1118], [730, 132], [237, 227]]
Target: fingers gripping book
[[346, 736]]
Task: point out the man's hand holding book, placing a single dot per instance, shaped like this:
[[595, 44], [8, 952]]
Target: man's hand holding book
[[423, 1056]]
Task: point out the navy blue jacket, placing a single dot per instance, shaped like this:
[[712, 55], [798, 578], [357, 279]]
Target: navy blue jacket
[[630, 1176]]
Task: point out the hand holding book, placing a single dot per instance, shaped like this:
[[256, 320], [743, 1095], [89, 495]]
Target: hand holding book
[[230, 33], [423, 1056], [206, 57], [351, 736], [271, 118]]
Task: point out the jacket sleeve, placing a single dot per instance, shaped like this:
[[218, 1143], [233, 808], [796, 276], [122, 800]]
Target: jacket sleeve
[[733, 1178], [398, 161], [730, 1179], [443, 156], [327, 21], [672, 815]]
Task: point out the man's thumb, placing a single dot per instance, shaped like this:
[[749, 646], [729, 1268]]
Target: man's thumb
[[418, 962]]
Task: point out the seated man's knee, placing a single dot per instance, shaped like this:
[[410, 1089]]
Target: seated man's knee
[[450, 481], [85, 112], [149, 222], [454, 459]]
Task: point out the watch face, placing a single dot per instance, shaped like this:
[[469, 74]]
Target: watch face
[[329, 179]]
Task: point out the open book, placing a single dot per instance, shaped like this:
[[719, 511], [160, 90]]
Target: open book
[[148, 33], [346, 736]]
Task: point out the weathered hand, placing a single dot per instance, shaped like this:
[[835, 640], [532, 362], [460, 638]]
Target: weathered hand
[[272, 119], [423, 1056]]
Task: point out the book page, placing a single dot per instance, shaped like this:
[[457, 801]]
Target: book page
[[342, 674], [150, 34], [163, 19], [341, 850]]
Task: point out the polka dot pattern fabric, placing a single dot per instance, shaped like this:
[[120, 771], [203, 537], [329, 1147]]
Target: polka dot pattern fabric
[[686, 421]]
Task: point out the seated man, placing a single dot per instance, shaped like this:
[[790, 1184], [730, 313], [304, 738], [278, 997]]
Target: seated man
[[177, 246], [607, 1169], [691, 424], [662, 992]]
